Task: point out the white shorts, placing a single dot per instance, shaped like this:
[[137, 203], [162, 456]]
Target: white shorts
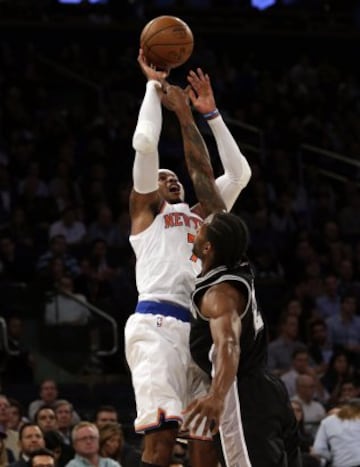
[[164, 377]]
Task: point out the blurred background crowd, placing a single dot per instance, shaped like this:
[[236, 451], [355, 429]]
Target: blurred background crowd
[[286, 80]]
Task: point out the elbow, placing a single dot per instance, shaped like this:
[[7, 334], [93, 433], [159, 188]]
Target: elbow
[[145, 140], [243, 179], [246, 174]]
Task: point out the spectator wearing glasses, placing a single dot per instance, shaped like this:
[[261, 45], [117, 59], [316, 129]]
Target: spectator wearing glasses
[[85, 439]]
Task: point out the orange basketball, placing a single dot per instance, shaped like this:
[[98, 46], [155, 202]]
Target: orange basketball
[[167, 42]]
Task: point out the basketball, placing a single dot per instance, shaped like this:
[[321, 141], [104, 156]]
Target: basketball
[[167, 42]]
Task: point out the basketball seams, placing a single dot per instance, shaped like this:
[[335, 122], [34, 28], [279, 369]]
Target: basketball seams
[[159, 31], [167, 42]]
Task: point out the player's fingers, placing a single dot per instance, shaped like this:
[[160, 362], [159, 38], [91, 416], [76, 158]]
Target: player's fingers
[[200, 73], [190, 407], [196, 423], [192, 96], [187, 89], [206, 427], [193, 78]]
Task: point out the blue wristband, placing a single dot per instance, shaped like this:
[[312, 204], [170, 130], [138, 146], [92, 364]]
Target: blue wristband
[[214, 113]]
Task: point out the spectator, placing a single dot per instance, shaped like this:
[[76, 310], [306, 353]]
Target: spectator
[[319, 346], [64, 412], [112, 444], [313, 411], [49, 393], [281, 349], [6, 455], [348, 390], [339, 369], [105, 229], [12, 436], [42, 458], [45, 418], [337, 439], [69, 226], [17, 415], [18, 368], [63, 309], [63, 453], [58, 249], [305, 438], [328, 304], [30, 439], [85, 439], [301, 366], [344, 327], [105, 414]]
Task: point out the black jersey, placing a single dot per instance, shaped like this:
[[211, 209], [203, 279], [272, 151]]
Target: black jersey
[[258, 427], [253, 339]]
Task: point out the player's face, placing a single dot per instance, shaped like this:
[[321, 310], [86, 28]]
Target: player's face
[[200, 241], [169, 187]]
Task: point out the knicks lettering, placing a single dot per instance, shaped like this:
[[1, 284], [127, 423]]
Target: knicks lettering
[[179, 219], [191, 239]]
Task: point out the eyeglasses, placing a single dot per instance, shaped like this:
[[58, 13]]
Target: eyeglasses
[[87, 438]]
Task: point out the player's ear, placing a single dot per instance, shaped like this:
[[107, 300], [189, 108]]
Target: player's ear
[[206, 247]]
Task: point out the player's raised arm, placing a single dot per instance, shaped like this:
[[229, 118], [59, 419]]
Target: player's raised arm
[[237, 171], [144, 198], [196, 154]]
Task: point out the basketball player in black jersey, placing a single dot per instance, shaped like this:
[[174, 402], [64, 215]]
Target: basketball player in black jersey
[[247, 408]]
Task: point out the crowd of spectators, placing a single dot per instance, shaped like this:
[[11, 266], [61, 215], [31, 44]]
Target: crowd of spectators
[[67, 113]]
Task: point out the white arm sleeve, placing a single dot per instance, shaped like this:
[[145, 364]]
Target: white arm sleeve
[[237, 171], [145, 141]]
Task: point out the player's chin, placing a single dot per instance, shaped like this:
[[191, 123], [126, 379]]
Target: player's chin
[[174, 197]]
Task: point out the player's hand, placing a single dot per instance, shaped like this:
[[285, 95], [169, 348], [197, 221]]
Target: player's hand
[[174, 98], [150, 71], [208, 408], [200, 91]]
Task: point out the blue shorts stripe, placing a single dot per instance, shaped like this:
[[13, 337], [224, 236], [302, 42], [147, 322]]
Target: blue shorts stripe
[[163, 309]]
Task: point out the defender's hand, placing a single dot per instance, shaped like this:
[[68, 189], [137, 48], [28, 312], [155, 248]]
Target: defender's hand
[[200, 92]]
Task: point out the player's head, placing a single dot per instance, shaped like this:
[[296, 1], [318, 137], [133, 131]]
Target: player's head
[[222, 240], [169, 187]]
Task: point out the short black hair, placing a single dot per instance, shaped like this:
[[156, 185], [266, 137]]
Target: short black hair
[[229, 236], [53, 440], [40, 409], [40, 452], [24, 426], [105, 408]]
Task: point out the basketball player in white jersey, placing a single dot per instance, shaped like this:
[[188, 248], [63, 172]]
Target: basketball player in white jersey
[[162, 231]]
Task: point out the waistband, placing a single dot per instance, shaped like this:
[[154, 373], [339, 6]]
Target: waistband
[[164, 309]]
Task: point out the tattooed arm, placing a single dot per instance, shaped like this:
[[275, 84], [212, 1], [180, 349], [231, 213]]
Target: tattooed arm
[[196, 153]]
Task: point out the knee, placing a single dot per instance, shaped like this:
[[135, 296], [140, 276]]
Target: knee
[[158, 448], [144, 139]]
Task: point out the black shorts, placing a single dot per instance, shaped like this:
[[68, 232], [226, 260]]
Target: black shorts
[[258, 428]]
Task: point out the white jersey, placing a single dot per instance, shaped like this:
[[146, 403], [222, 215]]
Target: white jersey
[[165, 266]]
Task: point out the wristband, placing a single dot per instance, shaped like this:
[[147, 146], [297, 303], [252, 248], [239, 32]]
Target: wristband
[[210, 115]]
